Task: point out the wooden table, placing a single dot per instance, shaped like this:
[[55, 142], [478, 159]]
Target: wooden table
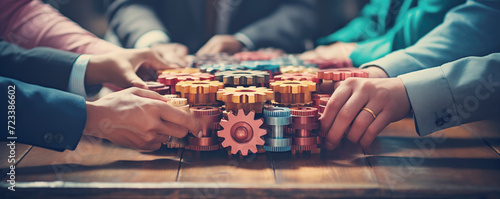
[[460, 162]]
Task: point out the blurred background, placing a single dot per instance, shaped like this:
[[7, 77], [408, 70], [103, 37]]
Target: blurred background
[[90, 14]]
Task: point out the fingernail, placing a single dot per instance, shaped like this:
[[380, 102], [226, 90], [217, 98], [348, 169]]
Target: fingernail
[[200, 134]]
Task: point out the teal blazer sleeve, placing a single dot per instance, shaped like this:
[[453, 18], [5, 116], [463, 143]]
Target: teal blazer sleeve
[[44, 117], [41, 66], [470, 29], [366, 25], [412, 26], [455, 93]]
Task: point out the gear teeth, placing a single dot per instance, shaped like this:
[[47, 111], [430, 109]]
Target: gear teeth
[[276, 112], [277, 149]]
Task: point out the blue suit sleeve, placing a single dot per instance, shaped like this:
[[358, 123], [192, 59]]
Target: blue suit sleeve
[[468, 30], [455, 93], [41, 66], [44, 117]]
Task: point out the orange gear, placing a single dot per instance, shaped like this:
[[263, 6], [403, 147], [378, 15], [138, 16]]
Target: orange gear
[[341, 74], [242, 133], [247, 98], [180, 70], [293, 93], [199, 92]]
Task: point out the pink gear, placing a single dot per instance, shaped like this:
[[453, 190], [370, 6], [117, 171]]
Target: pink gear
[[242, 133]]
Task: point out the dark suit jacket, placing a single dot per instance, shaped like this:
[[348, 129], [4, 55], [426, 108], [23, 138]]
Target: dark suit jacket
[[268, 23], [45, 117]]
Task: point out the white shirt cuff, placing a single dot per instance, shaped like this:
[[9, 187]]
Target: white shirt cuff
[[150, 38], [245, 40], [77, 77]]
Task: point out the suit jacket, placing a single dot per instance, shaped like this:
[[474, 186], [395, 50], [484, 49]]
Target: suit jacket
[[385, 26], [464, 90], [31, 23], [268, 23], [45, 117]]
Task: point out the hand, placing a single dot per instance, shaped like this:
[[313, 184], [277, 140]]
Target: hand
[[173, 53], [137, 118], [221, 43], [119, 67], [344, 112], [338, 50]]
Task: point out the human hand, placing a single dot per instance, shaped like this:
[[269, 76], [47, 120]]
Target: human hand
[[173, 53], [119, 67], [221, 43], [376, 72], [137, 118], [344, 113], [338, 50]]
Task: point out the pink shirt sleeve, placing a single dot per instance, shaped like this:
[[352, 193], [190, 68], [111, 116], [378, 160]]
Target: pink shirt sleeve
[[32, 23]]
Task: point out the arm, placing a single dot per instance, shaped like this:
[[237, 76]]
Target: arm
[[455, 93], [360, 28], [416, 23], [31, 23], [468, 30], [132, 19], [288, 27], [44, 117], [41, 66]]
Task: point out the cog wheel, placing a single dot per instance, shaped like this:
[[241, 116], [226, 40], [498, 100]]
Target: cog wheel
[[219, 67], [179, 103], [341, 74], [209, 118], [172, 79], [158, 87], [316, 97], [297, 77], [277, 118], [330, 63], [179, 70], [304, 121], [291, 93], [243, 78], [242, 133], [247, 98], [199, 93]]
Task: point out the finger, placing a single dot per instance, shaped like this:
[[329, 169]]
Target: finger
[[204, 49], [334, 104], [168, 128], [132, 80], [374, 129], [149, 94], [344, 119], [150, 147], [179, 117], [181, 50], [362, 121]]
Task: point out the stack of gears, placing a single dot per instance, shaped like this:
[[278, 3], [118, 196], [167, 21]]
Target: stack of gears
[[243, 78], [209, 118], [199, 93], [293, 93], [259, 112], [245, 98], [305, 123]]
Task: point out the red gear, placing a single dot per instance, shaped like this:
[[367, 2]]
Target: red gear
[[210, 117], [242, 133], [341, 74]]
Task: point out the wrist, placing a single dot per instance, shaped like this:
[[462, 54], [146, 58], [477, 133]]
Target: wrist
[[91, 126], [376, 72]]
